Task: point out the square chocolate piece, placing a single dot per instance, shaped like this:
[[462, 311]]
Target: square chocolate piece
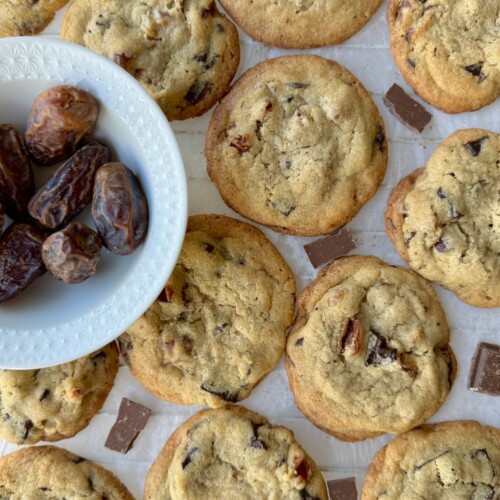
[[343, 489], [484, 375], [330, 247]]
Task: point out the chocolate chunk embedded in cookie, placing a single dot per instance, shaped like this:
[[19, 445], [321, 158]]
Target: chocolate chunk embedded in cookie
[[448, 50], [368, 352], [458, 460], [55, 403], [219, 325], [232, 452], [444, 221], [297, 145], [49, 472], [185, 54]]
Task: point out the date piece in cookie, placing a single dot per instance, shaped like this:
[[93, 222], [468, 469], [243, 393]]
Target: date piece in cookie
[[301, 24], [232, 452], [448, 50], [297, 145], [185, 54], [458, 460], [55, 403], [27, 17], [444, 219], [368, 352], [219, 325], [50, 472]]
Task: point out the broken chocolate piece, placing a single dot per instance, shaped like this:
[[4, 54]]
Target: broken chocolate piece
[[484, 375], [343, 489], [474, 147], [330, 247], [351, 337], [378, 350], [240, 143], [226, 395], [197, 92], [380, 139], [408, 111], [440, 246], [131, 420], [189, 457], [475, 70]]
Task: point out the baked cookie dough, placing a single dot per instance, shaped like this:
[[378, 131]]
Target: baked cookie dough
[[55, 403], [368, 352], [185, 54], [444, 219], [219, 326], [297, 145], [27, 17], [232, 452], [301, 24], [448, 50], [451, 460], [39, 472]]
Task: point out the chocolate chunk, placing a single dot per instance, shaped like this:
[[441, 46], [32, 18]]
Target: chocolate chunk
[[378, 350], [475, 69], [165, 295], [299, 342], [484, 375], [44, 395], [441, 194], [351, 337], [440, 246], [131, 420], [380, 139], [240, 143], [343, 489], [258, 443], [189, 457], [408, 111], [474, 147], [208, 247], [225, 395], [197, 92], [28, 425], [330, 247]]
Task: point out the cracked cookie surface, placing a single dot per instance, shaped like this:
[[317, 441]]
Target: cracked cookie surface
[[448, 50], [232, 452], [451, 460], [55, 403], [294, 23], [41, 472], [184, 52], [219, 326], [297, 145], [445, 219], [368, 352], [27, 17]]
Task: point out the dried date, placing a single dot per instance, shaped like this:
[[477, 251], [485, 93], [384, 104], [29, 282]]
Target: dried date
[[69, 190], [71, 255], [60, 119], [17, 183], [20, 259], [119, 208]]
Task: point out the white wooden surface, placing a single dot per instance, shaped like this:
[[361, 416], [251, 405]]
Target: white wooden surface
[[368, 57]]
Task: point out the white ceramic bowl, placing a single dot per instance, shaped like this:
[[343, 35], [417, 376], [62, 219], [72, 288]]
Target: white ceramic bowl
[[50, 322]]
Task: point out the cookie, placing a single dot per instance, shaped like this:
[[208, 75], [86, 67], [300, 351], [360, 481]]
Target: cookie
[[27, 17], [443, 219], [219, 326], [185, 54], [448, 50], [295, 24], [368, 352], [456, 460], [55, 403], [232, 452], [297, 145], [50, 472]]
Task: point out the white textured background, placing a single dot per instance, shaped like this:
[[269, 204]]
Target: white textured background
[[368, 57]]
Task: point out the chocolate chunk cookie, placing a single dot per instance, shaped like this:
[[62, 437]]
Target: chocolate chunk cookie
[[444, 219], [27, 17], [456, 460], [219, 326], [294, 24], [55, 403], [40, 472], [185, 54], [297, 145], [368, 352], [448, 50], [233, 453]]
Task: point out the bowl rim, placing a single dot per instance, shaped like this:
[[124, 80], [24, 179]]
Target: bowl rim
[[28, 348]]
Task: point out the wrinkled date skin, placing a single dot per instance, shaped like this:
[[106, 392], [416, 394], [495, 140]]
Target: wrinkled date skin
[[119, 208], [60, 119], [69, 190], [71, 255], [17, 184], [20, 259]]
